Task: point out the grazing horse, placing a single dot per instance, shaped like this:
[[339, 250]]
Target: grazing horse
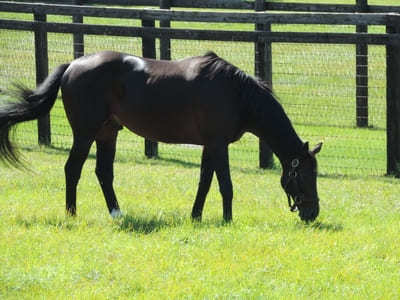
[[201, 100]]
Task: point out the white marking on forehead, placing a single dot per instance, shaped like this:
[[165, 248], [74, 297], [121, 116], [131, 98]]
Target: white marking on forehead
[[137, 63]]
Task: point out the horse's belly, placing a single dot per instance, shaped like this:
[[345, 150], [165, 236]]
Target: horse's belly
[[167, 130]]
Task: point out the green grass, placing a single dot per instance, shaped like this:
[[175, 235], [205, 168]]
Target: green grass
[[351, 252], [155, 251]]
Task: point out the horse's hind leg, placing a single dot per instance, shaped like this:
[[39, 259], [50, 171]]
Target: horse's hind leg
[[106, 144], [73, 168]]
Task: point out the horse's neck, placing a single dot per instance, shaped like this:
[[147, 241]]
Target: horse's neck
[[270, 122]]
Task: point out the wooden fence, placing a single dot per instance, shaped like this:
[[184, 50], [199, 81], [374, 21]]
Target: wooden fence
[[358, 6], [361, 15]]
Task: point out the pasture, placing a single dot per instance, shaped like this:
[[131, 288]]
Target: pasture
[[155, 251]]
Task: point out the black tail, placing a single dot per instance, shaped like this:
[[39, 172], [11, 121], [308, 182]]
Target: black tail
[[30, 105]]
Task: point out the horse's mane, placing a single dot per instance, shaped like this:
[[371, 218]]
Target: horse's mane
[[263, 106], [214, 66]]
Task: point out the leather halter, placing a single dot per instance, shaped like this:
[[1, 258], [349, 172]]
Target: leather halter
[[292, 177]]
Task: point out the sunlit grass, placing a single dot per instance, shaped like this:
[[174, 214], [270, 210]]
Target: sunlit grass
[[155, 251]]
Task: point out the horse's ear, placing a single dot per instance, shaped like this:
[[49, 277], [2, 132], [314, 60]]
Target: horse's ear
[[305, 147], [316, 149]]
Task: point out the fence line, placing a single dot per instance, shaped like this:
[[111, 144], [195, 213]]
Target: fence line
[[237, 4], [262, 37], [259, 17], [262, 20]]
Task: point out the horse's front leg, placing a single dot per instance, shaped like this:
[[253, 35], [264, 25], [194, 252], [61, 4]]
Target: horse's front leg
[[224, 180], [206, 174]]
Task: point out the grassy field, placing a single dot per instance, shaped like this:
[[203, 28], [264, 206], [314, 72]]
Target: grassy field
[[155, 251], [351, 252]]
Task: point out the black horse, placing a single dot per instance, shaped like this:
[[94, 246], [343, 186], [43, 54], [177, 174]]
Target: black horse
[[201, 100]]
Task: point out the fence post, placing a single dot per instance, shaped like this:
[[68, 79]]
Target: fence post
[[362, 72], [165, 43], [149, 51], [78, 39], [263, 70], [42, 70], [393, 103]]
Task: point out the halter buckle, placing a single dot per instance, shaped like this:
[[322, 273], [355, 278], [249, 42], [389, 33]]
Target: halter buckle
[[295, 163]]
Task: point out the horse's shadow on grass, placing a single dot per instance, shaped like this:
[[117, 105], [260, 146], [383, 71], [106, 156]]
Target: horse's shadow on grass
[[148, 224], [321, 226], [127, 223]]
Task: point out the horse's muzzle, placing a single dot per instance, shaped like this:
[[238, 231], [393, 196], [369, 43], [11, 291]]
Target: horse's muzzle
[[308, 211]]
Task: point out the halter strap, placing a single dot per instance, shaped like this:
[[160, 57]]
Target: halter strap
[[292, 176]]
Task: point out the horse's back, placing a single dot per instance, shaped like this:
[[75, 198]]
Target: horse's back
[[85, 70], [169, 101], [172, 101]]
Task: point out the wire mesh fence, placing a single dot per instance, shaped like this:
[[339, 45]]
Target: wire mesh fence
[[315, 83]]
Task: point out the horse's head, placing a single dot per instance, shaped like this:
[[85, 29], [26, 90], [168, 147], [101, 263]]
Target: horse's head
[[299, 180]]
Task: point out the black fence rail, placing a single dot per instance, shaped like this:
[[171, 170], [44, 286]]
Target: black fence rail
[[358, 6], [262, 37]]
